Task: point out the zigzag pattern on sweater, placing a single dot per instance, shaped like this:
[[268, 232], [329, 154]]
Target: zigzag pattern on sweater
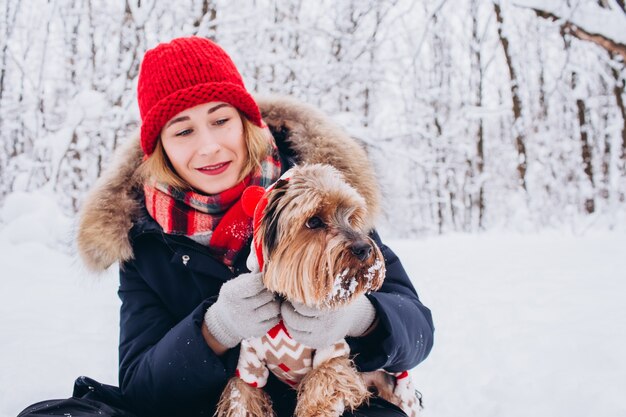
[[289, 360]]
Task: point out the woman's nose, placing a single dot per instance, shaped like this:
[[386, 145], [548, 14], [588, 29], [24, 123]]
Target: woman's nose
[[209, 144]]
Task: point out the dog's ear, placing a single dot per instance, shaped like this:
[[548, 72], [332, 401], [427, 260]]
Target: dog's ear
[[271, 217], [281, 183]]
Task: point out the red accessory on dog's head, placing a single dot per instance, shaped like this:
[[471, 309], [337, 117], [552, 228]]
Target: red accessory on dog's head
[[254, 200]]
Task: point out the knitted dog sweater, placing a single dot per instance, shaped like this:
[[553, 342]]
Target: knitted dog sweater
[[290, 361]]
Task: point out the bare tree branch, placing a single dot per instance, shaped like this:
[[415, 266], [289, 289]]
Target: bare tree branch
[[601, 40]]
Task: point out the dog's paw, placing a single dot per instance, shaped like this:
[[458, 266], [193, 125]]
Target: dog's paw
[[241, 400]]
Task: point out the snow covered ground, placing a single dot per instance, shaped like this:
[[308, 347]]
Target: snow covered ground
[[527, 325]]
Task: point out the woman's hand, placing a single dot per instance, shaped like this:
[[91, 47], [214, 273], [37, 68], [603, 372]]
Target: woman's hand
[[321, 328], [244, 308]]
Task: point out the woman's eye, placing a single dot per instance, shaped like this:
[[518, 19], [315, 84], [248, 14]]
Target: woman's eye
[[184, 132], [314, 223], [221, 122]]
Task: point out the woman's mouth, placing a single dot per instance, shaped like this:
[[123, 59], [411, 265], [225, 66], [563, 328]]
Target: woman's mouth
[[215, 169]]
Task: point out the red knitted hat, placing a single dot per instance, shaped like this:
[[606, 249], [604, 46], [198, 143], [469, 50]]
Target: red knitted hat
[[184, 73]]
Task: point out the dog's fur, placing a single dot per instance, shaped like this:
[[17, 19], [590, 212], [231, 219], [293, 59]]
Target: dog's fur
[[317, 267], [326, 266]]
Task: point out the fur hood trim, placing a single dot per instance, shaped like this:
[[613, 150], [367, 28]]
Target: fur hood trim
[[110, 208]]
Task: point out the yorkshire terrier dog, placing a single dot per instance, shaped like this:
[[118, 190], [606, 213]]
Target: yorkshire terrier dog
[[312, 245]]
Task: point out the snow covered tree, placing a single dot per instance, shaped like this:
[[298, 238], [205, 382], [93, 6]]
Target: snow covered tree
[[477, 114]]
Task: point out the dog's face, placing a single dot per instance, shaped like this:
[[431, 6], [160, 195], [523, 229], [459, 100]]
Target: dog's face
[[315, 248]]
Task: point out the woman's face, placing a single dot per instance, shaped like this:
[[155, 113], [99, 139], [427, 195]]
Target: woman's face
[[206, 146]]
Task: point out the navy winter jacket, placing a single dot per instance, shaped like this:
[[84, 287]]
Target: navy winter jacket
[[166, 367]]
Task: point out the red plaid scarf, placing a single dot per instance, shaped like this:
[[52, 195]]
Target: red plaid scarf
[[217, 221]]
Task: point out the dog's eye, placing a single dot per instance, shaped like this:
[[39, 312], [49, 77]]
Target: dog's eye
[[314, 223]]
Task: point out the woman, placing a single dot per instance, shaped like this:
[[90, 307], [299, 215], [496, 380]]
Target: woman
[[167, 212]]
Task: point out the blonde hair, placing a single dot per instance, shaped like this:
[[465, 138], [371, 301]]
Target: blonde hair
[[157, 167]]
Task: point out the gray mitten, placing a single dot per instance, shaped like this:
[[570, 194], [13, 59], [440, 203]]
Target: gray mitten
[[321, 328], [244, 308]]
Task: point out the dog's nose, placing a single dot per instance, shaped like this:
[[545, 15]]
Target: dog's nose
[[361, 250]]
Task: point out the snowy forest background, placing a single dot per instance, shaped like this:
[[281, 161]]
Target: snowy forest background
[[479, 114]]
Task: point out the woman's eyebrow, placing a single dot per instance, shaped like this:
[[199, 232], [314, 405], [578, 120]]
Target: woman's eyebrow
[[219, 106], [184, 118], [176, 120]]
